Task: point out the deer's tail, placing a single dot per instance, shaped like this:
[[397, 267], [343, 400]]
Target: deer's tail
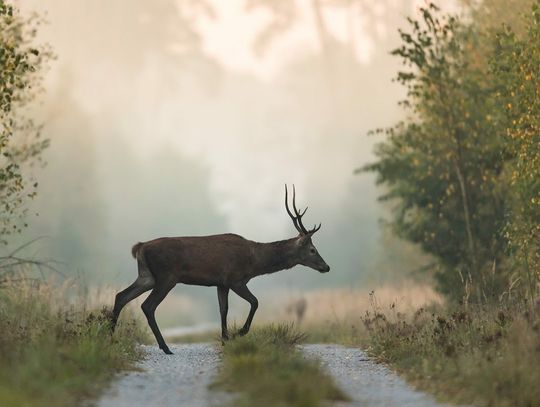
[[135, 249]]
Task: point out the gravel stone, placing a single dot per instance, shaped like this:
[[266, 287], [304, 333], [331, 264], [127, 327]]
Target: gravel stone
[[367, 383], [163, 380], [182, 379]]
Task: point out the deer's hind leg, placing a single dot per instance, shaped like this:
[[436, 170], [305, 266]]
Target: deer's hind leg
[[149, 306], [145, 281]]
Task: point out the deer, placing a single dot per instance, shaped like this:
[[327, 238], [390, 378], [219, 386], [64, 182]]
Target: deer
[[226, 261]]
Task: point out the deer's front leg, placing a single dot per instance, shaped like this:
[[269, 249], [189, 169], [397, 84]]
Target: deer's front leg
[[244, 293], [223, 299]]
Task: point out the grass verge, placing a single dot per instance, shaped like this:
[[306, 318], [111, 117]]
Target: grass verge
[[266, 369], [54, 351], [484, 355]]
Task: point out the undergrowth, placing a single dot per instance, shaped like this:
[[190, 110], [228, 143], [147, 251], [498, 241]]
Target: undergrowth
[[53, 350], [485, 355], [265, 369], [481, 355]]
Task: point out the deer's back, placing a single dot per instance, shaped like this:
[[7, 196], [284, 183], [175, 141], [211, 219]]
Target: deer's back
[[201, 260]]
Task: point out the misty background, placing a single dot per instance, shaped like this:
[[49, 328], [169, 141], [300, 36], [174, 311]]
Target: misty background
[[171, 118]]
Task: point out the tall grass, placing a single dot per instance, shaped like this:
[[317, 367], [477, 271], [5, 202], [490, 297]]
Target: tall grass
[[265, 369], [345, 304], [486, 355], [54, 349]]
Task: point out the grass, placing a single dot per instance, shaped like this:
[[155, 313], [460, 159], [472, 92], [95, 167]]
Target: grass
[[265, 369], [54, 350], [346, 304], [483, 355]]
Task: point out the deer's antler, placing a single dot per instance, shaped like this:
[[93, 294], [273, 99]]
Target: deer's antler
[[297, 216]]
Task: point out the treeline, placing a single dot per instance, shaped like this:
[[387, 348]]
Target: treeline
[[463, 169]]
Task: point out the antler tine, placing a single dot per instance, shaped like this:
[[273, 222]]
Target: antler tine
[[294, 219], [298, 214], [315, 228]]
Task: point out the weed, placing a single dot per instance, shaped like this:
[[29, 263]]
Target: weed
[[266, 369]]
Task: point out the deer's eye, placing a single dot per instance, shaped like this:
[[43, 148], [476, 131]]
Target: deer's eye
[[313, 251]]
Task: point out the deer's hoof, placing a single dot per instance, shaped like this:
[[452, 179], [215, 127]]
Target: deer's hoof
[[243, 332], [167, 351]]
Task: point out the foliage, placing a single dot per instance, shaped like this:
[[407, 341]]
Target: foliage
[[443, 164], [516, 66], [21, 64], [268, 371], [55, 351]]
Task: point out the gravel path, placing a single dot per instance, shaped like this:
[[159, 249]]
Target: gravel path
[[163, 380], [366, 382], [182, 379]]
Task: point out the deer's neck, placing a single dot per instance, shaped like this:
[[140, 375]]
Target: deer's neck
[[274, 256]]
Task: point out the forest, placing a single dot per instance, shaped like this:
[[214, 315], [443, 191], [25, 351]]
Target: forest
[[418, 137]]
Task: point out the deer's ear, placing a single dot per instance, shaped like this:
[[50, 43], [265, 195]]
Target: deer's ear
[[302, 240]]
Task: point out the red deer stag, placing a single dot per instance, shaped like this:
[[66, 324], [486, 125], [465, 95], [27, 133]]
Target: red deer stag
[[227, 261]]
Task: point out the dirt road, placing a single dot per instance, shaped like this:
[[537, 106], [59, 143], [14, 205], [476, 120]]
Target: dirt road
[[182, 379]]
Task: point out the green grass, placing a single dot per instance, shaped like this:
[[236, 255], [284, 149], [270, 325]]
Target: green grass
[[55, 352], [485, 355], [265, 369]]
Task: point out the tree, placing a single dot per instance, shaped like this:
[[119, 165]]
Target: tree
[[21, 65], [516, 65], [442, 166]]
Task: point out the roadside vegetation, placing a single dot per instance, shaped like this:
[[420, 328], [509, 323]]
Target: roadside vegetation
[[485, 356], [55, 349], [264, 368], [461, 171], [461, 174], [480, 355]]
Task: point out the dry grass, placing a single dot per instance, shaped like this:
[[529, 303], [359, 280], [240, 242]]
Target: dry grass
[[482, 355], [55, 347], [344, 304], [336, 315], [488, 356]]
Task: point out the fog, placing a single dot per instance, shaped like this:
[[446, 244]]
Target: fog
[[171, 118]]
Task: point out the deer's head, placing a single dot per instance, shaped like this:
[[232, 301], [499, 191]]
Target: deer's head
[[306, 253]]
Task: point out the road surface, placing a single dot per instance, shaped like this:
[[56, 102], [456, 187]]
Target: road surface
[[161, 380], [182, 379], [367, 383]]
